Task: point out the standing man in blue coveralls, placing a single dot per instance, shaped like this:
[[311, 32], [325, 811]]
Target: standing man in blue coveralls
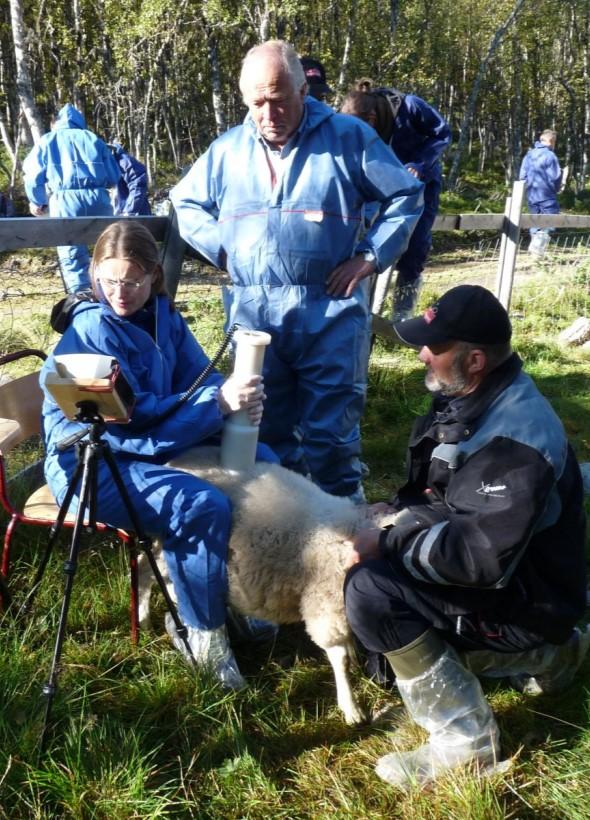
[[418, 135], [542, 174], [132, 187], [278, 202], [69, 173]]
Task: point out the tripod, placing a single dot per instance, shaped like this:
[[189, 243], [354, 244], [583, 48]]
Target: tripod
[[90, 448]]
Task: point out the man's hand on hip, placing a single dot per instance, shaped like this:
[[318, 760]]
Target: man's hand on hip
[[345, 277]]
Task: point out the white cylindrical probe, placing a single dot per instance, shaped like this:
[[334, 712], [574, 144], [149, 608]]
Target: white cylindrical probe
[[240, 437]]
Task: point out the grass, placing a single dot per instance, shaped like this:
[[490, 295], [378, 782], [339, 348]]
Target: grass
[[135, 733]]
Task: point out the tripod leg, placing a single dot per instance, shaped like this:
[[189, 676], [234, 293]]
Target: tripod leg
[[70, 567], [53, 534], [144, 543]]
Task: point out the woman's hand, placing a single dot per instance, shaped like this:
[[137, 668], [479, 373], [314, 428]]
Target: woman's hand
[[247, 395]]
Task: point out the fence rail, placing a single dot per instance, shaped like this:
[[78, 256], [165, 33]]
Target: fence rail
[[29, 232]]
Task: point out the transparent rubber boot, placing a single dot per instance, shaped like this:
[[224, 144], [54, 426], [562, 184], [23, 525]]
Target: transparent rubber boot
[[211, 650], [447, 701], [560, 667], [405, 299], [546, 669]]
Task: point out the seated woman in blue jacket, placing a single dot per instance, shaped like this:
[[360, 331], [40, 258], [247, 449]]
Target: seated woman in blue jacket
[[135, 322]]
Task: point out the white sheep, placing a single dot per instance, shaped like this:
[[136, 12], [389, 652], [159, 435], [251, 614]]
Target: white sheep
[[288, 555]]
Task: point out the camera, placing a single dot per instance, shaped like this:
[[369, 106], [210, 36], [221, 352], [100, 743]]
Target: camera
[[83, 379]]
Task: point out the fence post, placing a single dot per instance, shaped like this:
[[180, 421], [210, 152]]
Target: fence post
[[509, 243]]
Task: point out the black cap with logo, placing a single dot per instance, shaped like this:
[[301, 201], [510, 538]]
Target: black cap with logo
[[466, 313], [315, 74]]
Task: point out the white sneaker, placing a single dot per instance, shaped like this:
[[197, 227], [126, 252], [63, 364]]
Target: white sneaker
[[211, 650]]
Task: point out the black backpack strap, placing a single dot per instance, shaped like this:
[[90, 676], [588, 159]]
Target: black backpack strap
[[61, 313]]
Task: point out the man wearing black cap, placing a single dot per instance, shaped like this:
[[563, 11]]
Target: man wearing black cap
[[315, 74], [484, 571]]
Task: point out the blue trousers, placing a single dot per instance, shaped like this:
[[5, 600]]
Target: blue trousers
[[74, 260], [547, 206], [411, 263], [189, 515]]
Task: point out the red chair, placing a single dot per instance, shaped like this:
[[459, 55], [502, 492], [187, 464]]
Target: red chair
[[20, 421]]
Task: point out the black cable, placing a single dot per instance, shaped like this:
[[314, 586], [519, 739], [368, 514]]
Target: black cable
[[195, 385]]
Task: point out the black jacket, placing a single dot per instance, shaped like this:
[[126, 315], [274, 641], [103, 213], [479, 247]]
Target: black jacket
[[495, 515]]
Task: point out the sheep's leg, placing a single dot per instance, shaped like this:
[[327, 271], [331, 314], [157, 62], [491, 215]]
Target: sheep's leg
[[145, 582], [339, 658]]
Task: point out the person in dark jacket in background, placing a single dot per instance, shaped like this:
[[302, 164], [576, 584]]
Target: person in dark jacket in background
[[6, 206], [68, 173], [541, 172], [132, 187], [484, 571], [315, 75], [418, 135]]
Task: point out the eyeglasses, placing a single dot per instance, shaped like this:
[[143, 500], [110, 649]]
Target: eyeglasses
[[125, 284]]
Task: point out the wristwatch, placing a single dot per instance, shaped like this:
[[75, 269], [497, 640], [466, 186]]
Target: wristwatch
[[369, 256]]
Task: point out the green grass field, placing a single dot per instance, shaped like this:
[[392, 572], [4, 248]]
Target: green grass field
[[136, 734]]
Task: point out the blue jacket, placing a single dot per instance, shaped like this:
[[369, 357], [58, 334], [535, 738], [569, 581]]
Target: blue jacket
[[541, 172], [68, 158], [132, 187], [420, 134], [159, 369], [298, 231]]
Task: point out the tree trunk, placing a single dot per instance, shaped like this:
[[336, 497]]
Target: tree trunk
[[24, 86], [346, 55], [218, 109], [471, 103]]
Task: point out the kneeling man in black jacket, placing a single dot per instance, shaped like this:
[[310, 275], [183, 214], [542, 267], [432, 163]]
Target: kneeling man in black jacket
[[484, 572]]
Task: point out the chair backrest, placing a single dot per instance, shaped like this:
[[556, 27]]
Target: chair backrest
[[20, 410], [20, 403]]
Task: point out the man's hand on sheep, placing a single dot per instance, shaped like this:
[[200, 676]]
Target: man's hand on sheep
[[381, 509], [247, 395], [364, 546]]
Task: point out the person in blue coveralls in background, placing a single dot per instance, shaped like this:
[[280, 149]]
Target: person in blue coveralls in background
[[278, 202], [541, 172], [131, 318], [132, 187], [68, 173], [418, 135]]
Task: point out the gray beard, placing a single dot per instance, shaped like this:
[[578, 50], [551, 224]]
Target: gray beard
[[452, 388]]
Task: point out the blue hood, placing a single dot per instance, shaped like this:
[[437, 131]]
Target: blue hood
[[70, 117]]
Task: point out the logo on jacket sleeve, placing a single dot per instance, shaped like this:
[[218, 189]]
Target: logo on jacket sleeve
[[494, 490]]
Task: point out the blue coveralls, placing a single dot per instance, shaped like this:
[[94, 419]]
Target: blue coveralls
[[132, 187], [541, 171], [160, 359], [280, 239], [72, 169], [419, 137]]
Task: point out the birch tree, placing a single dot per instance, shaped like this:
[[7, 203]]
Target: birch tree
[[23, 76], [472, 101]]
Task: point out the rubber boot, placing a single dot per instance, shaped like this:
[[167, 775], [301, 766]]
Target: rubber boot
[[211, 650], [546, 669], [444, 698], [405, 299]]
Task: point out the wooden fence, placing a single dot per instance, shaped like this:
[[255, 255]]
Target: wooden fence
[[45, 232]]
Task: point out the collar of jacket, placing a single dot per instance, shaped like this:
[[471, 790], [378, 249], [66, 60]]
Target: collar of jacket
[[315, 112], [451, 421]]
